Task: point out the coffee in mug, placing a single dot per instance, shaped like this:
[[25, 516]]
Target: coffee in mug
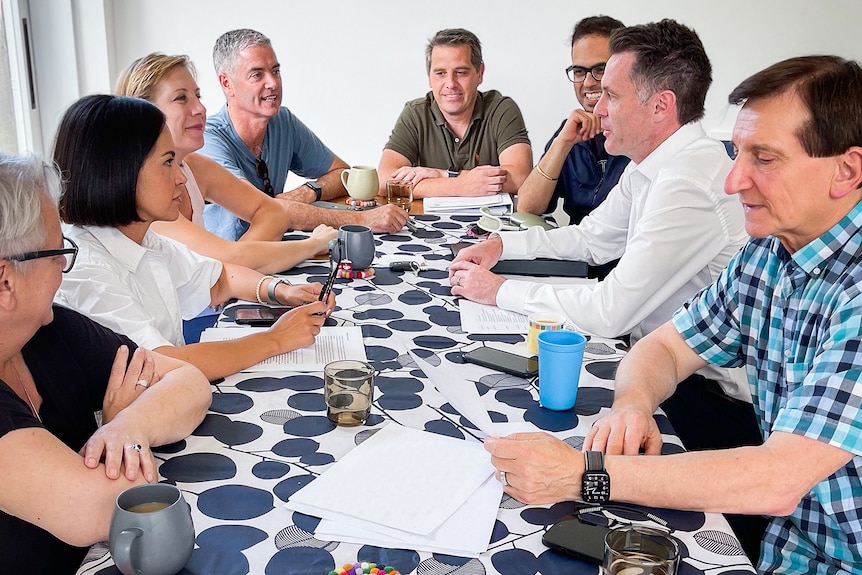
[[151, 530]]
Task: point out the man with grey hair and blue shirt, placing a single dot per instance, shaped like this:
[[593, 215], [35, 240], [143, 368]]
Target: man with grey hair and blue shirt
[[259, 140]]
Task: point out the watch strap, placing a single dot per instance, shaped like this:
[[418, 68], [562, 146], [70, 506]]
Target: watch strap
[[595, 460], [318, 190]]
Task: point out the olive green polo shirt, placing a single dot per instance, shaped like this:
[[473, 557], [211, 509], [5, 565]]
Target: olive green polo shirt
[[422, 136]]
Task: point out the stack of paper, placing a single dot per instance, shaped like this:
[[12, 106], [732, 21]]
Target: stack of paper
[[331, 344], [434, 493], [498, 204]]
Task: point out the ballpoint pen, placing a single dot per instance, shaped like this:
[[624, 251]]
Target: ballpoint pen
[[411, 225]]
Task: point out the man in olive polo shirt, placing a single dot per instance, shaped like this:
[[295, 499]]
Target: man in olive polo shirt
[[457, 141]]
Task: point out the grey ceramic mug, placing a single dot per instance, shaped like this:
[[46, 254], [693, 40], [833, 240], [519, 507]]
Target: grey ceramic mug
[[354, 243], [151, 530]]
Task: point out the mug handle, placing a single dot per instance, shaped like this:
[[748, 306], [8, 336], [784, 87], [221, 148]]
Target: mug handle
[[344, 174], [122, 553]]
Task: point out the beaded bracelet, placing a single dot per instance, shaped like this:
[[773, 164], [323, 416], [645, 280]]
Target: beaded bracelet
[[364, 567], [270, 289], [257, 289], [361, 203]]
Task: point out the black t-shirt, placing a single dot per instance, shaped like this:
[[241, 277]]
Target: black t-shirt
[[70, 360]]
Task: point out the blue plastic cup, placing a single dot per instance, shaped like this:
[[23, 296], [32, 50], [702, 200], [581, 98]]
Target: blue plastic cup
[[561, 354]]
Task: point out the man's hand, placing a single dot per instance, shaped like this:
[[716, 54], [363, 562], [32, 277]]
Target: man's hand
[[580, 127], [484, 254], [386, 219], [474, 282], [417, 174], [540, 469], [625, 430], [481, 181]]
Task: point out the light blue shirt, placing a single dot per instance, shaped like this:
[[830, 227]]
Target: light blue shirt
[[288, 145]]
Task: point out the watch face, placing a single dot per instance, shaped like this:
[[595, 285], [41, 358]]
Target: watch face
[[596, 487]]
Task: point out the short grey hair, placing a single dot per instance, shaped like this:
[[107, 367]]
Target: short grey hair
[[230, 44], [25, 182]]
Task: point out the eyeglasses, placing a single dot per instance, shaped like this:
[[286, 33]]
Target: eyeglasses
[[578, 74], [68, 253], [263, 173]]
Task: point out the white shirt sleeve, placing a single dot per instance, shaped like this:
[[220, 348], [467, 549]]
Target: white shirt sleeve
[[676, 230]]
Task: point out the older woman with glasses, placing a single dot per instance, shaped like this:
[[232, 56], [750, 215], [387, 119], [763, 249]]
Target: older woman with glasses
[[168, 82], [60, 471], [122, 176]]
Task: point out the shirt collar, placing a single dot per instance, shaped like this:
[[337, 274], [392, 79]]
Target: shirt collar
[[478, 109], [833, 241], [126, 251], [659, 158]]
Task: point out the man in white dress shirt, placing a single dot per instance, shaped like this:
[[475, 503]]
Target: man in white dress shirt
[[668, 220]]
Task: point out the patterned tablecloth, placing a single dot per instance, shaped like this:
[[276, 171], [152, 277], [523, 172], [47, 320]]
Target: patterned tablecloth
[[266, 436]]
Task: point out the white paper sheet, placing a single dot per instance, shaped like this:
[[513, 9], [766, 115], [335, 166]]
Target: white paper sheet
[[502, 204], [331, 344], [463, 396], [466, 533], [437, 476], [481, 318]]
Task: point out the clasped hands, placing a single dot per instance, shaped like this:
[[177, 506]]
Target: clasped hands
[[479, 181]]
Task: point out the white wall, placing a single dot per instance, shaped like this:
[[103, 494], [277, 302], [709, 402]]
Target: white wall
[[350, 65]]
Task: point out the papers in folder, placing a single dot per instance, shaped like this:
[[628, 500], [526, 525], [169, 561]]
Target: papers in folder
[[331, 344], [499, 204]]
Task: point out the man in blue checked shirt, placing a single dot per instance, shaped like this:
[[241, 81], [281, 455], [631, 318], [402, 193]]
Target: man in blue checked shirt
[[789, 309]]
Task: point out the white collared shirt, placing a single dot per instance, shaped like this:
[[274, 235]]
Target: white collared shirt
[[142, 291], [669, 221]]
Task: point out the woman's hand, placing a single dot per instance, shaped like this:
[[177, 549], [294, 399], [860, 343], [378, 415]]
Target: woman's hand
[[299, 295], [321, 236], [123, 445], [298, 327], [126, 384]]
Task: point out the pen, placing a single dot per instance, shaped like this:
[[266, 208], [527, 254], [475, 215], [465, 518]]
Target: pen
[[411, 225]]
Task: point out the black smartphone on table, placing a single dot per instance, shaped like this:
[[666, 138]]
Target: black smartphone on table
[[504, 361], [260, 316], [574, 537]]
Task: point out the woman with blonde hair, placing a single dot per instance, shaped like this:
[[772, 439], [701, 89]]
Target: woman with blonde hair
[[168, 82]]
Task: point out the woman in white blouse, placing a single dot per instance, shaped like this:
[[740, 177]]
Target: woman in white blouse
[[119, 163]]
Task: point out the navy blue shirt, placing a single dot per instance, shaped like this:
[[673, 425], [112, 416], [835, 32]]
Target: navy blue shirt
[[588, 174]]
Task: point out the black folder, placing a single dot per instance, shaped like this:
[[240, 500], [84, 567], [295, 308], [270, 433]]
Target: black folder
[[542, 267]]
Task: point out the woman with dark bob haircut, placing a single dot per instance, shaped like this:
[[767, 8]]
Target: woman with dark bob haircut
[[118, 160]]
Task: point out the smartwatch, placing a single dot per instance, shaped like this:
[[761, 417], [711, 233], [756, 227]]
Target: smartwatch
[[595, 483], [453, 172], [318, 190]]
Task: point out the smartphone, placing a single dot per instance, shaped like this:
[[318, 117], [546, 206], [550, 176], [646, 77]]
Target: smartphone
[[504, 361], [260, 316], [571, 536]]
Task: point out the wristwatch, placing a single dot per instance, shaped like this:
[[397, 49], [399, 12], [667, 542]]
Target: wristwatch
[[596, 483], [453, 172], [318, 190]]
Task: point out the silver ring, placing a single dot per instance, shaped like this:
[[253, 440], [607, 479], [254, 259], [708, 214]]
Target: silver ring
[[135, 446], [503, 478], [143, 383]]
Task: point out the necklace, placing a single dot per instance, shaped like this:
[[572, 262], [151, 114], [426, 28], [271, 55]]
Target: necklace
[[29, 399]]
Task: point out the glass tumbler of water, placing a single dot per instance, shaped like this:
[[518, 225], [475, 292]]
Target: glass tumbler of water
[[348, 389]]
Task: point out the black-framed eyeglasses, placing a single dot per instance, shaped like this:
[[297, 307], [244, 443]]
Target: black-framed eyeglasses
[[262, 171], [68, 253], [578, 74]]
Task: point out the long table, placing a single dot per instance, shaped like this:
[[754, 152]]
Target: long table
[[266, 436]]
